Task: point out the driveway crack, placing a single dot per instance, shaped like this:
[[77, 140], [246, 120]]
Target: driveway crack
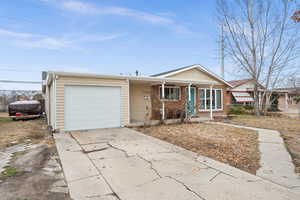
[[114, 147], [151, 165], [215, 176], [186, 187]]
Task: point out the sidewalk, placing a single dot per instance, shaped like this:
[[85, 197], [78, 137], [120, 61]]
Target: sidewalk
[[276, 163]]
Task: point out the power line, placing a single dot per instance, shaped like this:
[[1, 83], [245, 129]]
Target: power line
[[15, 19], [17, 70], [11, 81]]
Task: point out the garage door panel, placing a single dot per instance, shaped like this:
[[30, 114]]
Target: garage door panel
[[90, 107]]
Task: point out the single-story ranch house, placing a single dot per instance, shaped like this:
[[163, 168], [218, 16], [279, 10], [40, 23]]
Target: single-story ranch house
[[78, 101]]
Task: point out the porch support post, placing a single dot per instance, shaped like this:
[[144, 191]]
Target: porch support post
[[163, 100], [210, 103], [187, 108], [189, 89], [286, 102]]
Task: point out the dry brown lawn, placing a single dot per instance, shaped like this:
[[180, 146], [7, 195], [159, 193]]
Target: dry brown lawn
[[27, 131], [3, 114], [234, 146], [289, 129]]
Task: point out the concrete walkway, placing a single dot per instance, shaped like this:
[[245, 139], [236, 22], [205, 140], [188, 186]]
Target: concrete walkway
[[122, 164], [276, 163]]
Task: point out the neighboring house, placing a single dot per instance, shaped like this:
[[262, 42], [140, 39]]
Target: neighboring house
[[286, 98], [242, 92], [77, 101]]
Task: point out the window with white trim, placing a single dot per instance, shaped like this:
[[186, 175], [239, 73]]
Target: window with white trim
[[217, 99], [171, 93]]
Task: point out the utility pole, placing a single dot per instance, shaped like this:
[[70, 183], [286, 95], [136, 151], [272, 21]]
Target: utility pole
[[222, 52]]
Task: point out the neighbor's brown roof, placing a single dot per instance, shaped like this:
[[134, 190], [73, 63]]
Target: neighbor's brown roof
[[291, 90], [236, 83]]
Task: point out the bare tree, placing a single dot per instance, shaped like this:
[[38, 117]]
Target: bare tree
[[261, 39], [296, 16]]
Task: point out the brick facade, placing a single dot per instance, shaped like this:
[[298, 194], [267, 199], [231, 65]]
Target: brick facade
[[173, 108]]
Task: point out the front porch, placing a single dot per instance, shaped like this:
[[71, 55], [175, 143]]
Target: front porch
[[173, 101]]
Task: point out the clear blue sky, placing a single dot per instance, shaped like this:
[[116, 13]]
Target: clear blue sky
[[105, 36]]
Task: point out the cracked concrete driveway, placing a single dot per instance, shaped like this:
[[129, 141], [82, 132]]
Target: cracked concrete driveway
[[122, 164]]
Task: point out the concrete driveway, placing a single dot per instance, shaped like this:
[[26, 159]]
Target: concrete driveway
[[122, 164]]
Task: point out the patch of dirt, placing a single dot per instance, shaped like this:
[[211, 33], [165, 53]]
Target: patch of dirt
[[289, 129], [31, 186], [27, 131], [234, 146], [37, 169]]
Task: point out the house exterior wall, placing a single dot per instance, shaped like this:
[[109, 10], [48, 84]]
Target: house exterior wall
[[140, 102], [194, 74], [173, 106], [61, 81], [169, 105]]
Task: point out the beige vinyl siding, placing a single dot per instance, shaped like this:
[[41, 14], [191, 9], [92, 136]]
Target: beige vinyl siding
[[65, 80], [139, 101], [195, 75]]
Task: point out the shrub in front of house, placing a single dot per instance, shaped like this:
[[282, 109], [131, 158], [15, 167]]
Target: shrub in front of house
[[238, 110], [249, 107]]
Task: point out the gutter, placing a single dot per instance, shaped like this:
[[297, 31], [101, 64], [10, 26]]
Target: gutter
[[135, 78]]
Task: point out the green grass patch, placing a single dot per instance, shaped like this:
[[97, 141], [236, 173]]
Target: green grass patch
[[5, 119], [11, 171]]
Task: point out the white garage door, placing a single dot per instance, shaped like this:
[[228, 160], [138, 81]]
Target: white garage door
[[91, 107]]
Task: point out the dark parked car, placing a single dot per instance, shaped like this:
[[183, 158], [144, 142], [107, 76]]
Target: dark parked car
[[24, 109]]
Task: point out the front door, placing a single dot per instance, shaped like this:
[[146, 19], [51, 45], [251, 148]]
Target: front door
[[192, 103]]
